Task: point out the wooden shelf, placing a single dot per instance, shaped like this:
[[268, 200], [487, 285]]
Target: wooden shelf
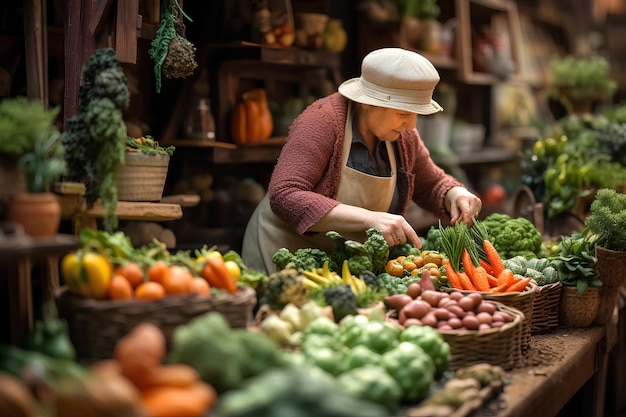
[[230, 153]]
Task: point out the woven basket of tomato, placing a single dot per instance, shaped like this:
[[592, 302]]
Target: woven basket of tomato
[[96, 325], [105, 296]]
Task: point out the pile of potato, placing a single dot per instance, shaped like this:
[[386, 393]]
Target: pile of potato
[[446, 311]]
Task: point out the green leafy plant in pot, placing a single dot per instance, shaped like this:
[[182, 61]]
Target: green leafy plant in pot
[[607, 221], [575, 262], [580, 81], [32, 144]]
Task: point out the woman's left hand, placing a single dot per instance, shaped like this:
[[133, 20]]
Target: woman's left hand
[[464, 206]]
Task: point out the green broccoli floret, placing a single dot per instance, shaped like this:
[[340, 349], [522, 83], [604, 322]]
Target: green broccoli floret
[[359, 263], [342, 300], [513, 236], [304, 259], [377, 247], [370, 279], [282, 258], [433, 239], [307, 259]]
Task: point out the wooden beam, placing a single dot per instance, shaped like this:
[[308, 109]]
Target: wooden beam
[[126, 31], [99, 17], [36, 43]]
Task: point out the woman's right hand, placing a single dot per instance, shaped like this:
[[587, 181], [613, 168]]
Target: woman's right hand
[[347, 219]]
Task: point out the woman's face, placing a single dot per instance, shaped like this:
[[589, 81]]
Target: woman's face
[[386, 124]]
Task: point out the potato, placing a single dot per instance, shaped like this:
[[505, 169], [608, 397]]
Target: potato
[[398, 301], [412, 322], [455, 322], [468, 303], [487, 307], [432, 297], [470, 322], [416, 309], [444, 325], [456, 295], [502, 316], [496, 324], [414, 290], [484, 318], [442, 313], [429, 319], [484, 326], [456, 310]]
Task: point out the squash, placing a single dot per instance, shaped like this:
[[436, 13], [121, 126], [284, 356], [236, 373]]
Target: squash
[[251, 120]]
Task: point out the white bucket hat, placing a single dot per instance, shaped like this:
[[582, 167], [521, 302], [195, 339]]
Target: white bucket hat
[[395, 78]]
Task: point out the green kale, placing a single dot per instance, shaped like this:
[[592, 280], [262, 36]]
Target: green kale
[[375, 248], [378, 249]]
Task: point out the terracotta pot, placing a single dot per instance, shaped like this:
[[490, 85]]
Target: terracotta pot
[[38, 213], [578, 310], [612, 266]]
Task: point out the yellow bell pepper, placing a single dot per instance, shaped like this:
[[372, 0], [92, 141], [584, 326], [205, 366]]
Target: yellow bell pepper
[[87, 273]]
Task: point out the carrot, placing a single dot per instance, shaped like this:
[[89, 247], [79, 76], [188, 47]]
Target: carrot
[[486, 265], [468, 266], [453, 277], [518, 285], [506, 277], [466, 283], [499, 289], [493, 257], [493, 281], [480, 280]]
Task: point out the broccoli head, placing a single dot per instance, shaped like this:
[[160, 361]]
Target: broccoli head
[[284, 287], [342, 300], [359, 263], [433, 239], [282, 258], [513, 236], [304, 259], [378, 249]]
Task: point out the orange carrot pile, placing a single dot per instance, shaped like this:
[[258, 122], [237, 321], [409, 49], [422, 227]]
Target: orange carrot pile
[[490, 275]]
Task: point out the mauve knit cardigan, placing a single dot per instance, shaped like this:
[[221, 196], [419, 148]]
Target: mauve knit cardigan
[[306, 177]]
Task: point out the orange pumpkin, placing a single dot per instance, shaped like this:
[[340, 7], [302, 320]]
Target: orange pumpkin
[[251, 120]]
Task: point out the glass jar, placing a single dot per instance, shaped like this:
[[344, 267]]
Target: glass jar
[[200, 123]]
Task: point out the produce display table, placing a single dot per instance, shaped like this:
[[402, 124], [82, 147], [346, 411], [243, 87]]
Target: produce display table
[[574, 359], [18, 255]]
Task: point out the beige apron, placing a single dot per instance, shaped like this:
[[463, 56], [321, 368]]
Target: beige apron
[[266, 232]]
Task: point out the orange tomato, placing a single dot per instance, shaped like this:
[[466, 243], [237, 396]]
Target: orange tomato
[[178, 280], [132, 272], [200, 286], [158, 271], [149, 291], [120, 288]]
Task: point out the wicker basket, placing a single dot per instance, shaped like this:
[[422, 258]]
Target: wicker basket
[[142, 177], [578, 310], [497, 346], [612, 266], [523, 301], [96, 325], [546, 308]]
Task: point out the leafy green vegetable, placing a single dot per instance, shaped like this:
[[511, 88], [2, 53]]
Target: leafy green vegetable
[[514, 236], [575, 261], [304, 259], [371, 255], [607, 218]]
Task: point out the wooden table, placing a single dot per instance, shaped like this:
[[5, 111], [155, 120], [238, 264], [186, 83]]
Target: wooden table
[[17, 257], [542, 391]]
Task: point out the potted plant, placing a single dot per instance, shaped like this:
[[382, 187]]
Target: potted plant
[[575, 262], [31, 144], [419, 27], [607, 221], [580, 81]]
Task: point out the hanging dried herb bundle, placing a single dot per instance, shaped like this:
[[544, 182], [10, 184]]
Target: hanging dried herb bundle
[[173, 54]]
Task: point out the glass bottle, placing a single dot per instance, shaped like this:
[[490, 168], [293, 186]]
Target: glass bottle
[[200, 123]]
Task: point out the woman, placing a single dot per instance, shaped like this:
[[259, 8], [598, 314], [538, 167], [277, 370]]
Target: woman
[[353, 160]]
